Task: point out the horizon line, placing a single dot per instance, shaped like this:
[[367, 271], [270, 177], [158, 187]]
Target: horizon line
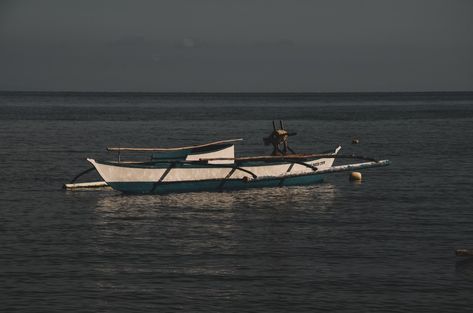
[[227, 93]]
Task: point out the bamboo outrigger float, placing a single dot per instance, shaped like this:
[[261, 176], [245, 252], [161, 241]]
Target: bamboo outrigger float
[[214, 167]]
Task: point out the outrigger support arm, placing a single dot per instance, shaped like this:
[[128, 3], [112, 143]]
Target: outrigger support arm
[[81, 173], [173, 165], [246, 171], [205, 162], [236, 167], [306, 165], [160, 180]]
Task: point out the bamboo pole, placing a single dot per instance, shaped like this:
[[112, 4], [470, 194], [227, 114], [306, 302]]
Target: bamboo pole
[[87, 185], [356, 166], [290, 157]]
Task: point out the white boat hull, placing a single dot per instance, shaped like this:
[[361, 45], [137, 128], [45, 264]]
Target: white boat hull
[[130, 178]]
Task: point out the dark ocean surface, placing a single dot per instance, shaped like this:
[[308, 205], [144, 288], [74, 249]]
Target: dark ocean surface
[[383, 245]]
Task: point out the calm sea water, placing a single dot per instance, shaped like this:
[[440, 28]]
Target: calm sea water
[[386, 244]]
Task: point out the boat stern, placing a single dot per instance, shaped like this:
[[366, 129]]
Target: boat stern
[[325, 163]]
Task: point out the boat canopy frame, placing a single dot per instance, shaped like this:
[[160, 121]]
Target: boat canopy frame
[[209, 144]]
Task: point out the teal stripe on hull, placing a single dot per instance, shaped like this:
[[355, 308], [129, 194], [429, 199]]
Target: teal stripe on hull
[[211, 185]]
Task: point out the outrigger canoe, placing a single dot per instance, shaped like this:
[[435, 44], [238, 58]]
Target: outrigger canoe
[[214, 167]]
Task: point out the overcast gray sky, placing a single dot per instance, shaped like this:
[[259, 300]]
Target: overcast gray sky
[[239, 45]]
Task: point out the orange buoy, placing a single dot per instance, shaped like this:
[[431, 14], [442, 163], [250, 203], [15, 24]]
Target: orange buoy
[[355, 176]]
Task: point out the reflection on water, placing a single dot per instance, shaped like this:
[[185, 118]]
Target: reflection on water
[[205, 233], [374, 246], [318, 196], [464, 268]]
